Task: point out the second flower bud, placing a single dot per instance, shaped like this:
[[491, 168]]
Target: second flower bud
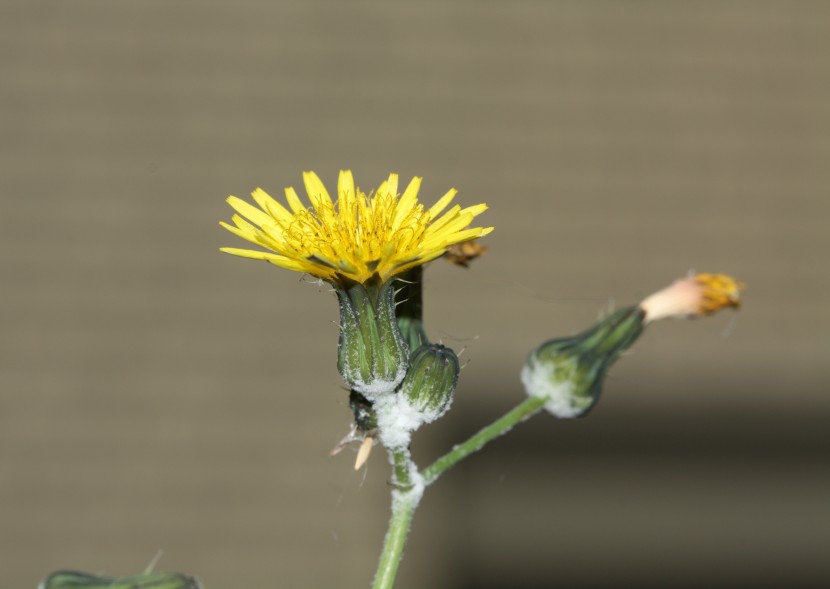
[[425, 394]]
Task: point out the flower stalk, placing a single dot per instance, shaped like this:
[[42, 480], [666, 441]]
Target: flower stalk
[[408, 487], [521, 412], [409, 309]]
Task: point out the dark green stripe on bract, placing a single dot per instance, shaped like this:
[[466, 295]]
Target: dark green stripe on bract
[[372, 354]]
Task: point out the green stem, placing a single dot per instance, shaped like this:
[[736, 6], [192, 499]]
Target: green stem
[[408, 485], [499, 427], [406, 494]]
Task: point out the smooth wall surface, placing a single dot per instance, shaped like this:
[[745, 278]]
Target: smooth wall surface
[[158, 395]]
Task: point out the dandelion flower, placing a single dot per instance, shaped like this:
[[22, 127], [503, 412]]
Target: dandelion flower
[[358, 237]]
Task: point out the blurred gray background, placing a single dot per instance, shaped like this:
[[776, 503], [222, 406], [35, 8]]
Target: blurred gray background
[[156, 394]]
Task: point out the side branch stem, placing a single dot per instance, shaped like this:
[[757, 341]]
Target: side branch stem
[[408, 485], [501, 426]]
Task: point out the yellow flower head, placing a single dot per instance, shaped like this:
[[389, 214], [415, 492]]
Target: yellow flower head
[[356, 237], [694, 296]]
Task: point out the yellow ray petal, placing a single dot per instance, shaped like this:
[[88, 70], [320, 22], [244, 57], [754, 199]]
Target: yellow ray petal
[[407, 202], [474, 210], [293, 200], [388, 186], [405, 265], [316, 191], [271, 206], [252, 254], [392, 184], [442, 203], [249, 211], [345, 189], [299, 266], [237, 231], [459, 222], [466, 235], [447, 217]]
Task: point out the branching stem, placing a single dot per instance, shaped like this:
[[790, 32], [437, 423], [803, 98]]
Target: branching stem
[[408, 485], [476, 442]]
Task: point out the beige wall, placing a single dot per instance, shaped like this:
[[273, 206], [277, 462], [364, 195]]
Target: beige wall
[[155, 394]]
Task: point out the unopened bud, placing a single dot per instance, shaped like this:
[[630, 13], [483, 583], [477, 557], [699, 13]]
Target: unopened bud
[[372, 354], [569, 372], [430, 383], [77, 580], [424, 395]]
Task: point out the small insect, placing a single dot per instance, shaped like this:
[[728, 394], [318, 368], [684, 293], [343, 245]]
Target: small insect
[[461, 254]]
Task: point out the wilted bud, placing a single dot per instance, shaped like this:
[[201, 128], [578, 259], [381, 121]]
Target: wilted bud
[[694, 296], [430, 383], [76, 580], [569, 372], [372, 355]]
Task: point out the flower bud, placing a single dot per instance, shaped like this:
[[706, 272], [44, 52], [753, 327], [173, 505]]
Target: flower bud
[[568, 372], [430, 383], [424, 395], [372, 354], [76, 580]]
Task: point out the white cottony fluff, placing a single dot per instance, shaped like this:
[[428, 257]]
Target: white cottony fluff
[[539, 381], [415, 478], [378, 389], [397, 419]]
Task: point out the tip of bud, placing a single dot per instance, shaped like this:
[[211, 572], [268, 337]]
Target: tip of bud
[[696, 295]]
